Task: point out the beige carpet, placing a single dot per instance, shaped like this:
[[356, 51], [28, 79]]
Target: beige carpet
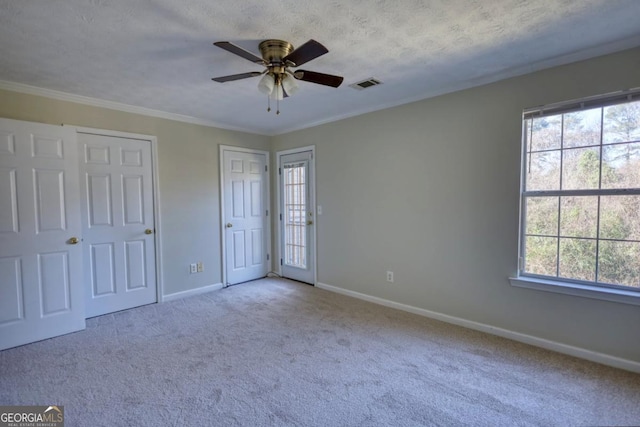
[[275, 352]]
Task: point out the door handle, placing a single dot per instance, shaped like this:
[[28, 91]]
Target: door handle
[[73, 241], [148, 231], [309, 222], [229, 225]]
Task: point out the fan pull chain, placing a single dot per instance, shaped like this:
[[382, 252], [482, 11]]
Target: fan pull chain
[[269, 105]]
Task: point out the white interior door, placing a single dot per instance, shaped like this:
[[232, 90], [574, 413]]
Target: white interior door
[[245, 215], [41, 293], [297, 220], [117, 222]]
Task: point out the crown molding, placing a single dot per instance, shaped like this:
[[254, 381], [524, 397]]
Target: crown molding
[[585, 54], [582, 55], [95, 102]]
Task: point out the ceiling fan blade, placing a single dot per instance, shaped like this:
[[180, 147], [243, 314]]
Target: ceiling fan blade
[[237, 50], [319, 78], [305, 53], [236, 77]]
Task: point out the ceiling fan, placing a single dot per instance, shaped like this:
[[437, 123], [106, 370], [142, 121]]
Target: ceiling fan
[[278, 57]]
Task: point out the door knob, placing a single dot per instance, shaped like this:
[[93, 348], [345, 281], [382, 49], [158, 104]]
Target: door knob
[[148, 231], [74, 240], [229, 225]]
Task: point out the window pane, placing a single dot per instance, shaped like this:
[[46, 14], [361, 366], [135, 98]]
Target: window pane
[[578, 259], [580, 168], [619, 263], [542, 216], [582, 128], [621, 166], [591, 236], [579, 216], [543, 171], [620, 218], [546, 133], [622, 123], [541, 255]]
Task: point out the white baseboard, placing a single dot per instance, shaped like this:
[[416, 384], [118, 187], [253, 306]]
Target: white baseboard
[[581, 353], [191, 292]]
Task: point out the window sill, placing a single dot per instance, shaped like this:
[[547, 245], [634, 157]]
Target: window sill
[[594, 292]]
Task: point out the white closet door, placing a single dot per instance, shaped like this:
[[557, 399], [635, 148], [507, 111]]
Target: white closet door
[[117, 223], [41, 294], [245, 215]]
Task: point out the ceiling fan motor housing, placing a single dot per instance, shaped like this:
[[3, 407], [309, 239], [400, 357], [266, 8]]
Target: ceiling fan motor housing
[[274, 50]]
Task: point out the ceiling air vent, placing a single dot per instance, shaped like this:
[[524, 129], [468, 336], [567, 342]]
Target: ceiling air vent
[[366, 84]]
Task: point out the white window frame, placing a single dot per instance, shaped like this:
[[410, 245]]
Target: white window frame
[[612, 293]]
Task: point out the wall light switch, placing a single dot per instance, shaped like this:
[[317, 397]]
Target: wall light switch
[[193, 268], [200, 267], [319, 210]]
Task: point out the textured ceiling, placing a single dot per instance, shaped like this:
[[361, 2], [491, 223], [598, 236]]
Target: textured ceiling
[[158, 54]]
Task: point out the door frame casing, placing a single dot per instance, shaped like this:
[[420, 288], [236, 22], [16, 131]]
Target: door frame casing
[[267, 204], [153, 140], [312, 188]]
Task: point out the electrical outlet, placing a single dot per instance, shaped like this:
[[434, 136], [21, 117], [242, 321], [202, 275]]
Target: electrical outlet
[[193, 268], [390, 276], [200, 267]]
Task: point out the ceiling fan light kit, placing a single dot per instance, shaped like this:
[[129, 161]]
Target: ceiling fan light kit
[[289, 84], [278, 56], [267, 83]]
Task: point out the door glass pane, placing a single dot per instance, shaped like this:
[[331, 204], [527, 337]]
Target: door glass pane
[[295, 210]]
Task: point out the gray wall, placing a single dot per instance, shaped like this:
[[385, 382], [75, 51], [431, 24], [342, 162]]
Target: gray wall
[[430, 190], [188, 169]]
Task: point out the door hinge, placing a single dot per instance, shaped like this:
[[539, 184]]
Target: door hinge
[[267, 212], [280, 261], [279, 171], [266, 168], [267, 257], [280, 217]]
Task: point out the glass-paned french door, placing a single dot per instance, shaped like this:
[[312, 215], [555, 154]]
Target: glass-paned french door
[[297, 216]]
